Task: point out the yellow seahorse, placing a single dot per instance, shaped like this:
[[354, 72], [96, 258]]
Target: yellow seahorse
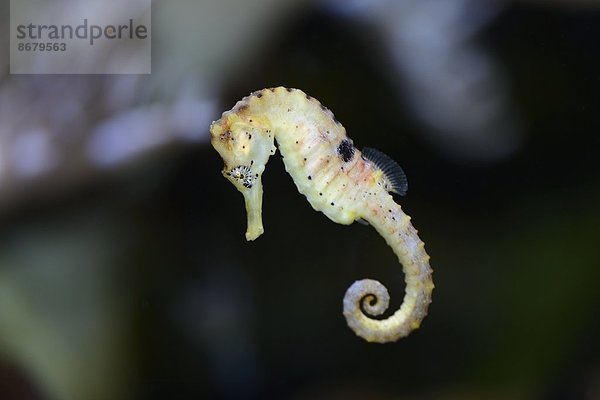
[[344, 183]]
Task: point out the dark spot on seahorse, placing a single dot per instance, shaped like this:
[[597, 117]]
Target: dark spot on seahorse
[[249, 136], [332, 203], [243, 108], [225, 135], [309, 177], [289, 89], [259, 95], [346, 150], [323, 107], [272, 89], [308, 97]]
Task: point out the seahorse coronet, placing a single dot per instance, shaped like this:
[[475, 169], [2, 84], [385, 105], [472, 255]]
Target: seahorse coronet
[[337, 180]]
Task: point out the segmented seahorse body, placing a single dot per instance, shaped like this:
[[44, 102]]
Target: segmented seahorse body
[[338, 180]]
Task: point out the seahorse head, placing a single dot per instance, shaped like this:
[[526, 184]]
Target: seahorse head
[[245, 144]]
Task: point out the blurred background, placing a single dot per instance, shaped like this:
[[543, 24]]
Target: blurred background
[[124, 271]]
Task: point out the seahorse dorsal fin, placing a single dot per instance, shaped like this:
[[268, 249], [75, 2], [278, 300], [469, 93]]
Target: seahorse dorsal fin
[[393, 173]]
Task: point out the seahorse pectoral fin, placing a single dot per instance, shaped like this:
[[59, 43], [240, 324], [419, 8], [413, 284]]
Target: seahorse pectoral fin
[[253, 200]]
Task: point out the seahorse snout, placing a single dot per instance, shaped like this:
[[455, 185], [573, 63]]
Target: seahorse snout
[[253, 200]]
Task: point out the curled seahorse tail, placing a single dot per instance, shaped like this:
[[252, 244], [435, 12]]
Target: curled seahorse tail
[[368, 298], [337, 179], [253, 201]]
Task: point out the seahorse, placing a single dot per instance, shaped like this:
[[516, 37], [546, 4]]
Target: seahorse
[[337, 179]]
